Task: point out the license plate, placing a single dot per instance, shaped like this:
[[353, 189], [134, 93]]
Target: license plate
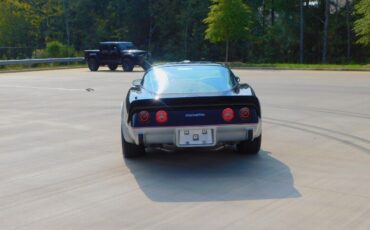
[[195, 137]]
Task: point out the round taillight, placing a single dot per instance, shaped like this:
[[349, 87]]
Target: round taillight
[[245, 113], [161, 117], [228, 114], [144, 117]]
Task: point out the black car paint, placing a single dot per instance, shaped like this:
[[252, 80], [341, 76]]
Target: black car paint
[[139, 99]]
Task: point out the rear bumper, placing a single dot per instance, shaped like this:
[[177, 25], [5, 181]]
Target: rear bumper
[[168, 135]]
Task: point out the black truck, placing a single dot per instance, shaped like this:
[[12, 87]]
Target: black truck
[[117, 53]]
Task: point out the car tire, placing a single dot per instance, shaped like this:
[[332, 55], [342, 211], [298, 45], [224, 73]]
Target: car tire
[[131, 150], [250, 147], [93, 64], [127, 65], [112, 67]]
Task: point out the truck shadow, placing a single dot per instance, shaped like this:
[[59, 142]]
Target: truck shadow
[[118, 71], [197, 176]]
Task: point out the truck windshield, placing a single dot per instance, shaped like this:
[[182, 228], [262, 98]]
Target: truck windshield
[[189, 79]]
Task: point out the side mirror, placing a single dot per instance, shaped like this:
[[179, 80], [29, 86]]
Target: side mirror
[[137, 83], [237, 79]]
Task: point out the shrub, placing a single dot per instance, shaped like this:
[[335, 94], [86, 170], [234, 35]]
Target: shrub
[[56, 49]]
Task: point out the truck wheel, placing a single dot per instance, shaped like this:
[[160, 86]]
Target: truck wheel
[[112, 67], [93, 64], [250, 147], [127, 65], [131, 150]]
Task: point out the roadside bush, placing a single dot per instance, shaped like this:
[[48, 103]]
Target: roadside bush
[[40, 53], [56, 49]]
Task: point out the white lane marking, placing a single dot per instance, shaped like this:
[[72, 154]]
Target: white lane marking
[[44, 88]]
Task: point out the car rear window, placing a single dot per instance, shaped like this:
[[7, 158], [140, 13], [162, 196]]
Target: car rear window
[[188, 79]]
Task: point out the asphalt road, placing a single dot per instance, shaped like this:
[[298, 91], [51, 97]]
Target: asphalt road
[[61, 164]]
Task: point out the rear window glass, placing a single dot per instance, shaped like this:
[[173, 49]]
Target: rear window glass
[[188, 79]]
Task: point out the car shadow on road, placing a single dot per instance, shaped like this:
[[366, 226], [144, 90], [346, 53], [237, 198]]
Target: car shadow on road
[[199, 176]]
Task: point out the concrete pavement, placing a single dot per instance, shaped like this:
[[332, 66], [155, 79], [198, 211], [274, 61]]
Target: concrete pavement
[[61, 164]]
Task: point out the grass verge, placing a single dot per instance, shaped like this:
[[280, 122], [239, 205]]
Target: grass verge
[[276, 66], [39, 67], [285, 66]]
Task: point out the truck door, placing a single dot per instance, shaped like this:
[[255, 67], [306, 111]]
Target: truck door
[[104, 53], [115, 54]]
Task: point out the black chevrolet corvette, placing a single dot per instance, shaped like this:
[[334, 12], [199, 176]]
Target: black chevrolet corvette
[[190, 105]]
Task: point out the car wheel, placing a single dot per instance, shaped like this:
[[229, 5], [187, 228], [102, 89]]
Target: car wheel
[[127, 65], [131, 150], [93, 64], [112, 67], [250, 147]]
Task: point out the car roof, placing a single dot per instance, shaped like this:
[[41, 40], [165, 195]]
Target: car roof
[[188, 63]]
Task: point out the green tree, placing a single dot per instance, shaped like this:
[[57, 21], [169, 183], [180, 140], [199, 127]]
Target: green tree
[[362, 25], [15, 28], [263, 30], [17, 35], [228, 20]]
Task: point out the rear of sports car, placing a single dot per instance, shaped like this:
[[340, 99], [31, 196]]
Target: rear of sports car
[[194, 122], [190, 106]]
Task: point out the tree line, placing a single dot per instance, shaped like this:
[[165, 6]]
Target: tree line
[[259, 31]]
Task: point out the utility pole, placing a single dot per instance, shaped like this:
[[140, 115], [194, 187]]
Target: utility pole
[[301, 42], [272, 13], [152, 25], [326, 28], [348, 22], [263, 16], [66, 15], [187, 21]]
